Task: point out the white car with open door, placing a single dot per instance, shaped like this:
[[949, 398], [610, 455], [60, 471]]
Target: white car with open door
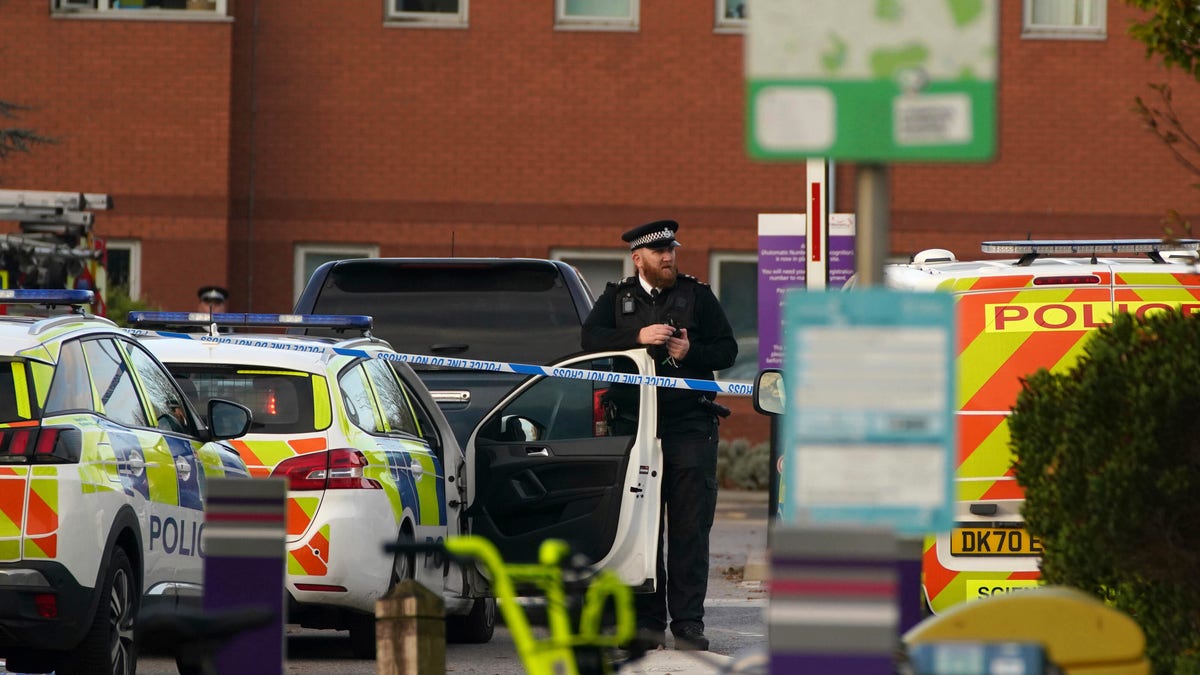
[[542, 464]]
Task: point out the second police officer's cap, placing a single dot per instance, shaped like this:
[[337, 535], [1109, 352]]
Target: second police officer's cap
[[212, 294], [658, 234]]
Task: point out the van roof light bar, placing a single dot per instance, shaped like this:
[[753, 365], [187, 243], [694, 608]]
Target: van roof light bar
[[1032, 249], [47, 297], [1088, 246], [337, 321]]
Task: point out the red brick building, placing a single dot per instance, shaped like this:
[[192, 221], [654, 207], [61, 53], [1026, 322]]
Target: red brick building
[[245, 141]]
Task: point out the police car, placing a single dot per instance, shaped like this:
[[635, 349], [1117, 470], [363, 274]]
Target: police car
[[370, 459], [1015, 315], [103, 466]]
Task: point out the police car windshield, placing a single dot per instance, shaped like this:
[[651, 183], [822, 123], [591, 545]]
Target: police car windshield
[[512, 313], [280, 400]]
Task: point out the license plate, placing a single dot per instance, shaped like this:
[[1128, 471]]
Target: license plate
[[986, 541]]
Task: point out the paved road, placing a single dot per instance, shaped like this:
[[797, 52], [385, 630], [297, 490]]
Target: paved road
[[734, 615]]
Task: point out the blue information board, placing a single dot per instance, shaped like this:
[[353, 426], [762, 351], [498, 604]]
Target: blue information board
[[869, 429]]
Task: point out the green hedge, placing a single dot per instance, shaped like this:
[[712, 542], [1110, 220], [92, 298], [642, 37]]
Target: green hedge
[[1109, 456], [742, 466]]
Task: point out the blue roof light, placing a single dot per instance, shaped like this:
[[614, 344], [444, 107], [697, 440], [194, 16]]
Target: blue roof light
[[346, 321], [47, 296]]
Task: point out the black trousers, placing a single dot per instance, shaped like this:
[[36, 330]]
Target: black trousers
[[689, 503]]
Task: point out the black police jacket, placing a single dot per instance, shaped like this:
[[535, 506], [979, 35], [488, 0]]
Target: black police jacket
[[625, 308]]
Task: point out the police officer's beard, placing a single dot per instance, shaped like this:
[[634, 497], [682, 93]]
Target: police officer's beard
[[661, 277]]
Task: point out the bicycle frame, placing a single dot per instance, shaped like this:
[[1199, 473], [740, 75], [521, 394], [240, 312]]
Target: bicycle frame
[[554, 655]]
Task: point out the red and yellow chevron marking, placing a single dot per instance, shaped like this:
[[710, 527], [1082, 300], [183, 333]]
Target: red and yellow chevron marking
[[946, 588], [983, 457], [312, 557], [300, 512], [41, 547], [261, 456], [41, 515], [992, 362], [12, 501]]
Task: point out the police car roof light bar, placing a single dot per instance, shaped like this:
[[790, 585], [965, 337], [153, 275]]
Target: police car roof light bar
[[47, 297], [342, 321]]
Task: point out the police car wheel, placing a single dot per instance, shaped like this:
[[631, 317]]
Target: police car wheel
[[404, 564], [108, 646], [476, 627]]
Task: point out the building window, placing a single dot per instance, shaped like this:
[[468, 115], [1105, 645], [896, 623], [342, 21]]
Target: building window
[[144, 9], [1064, 20], [124, 268], [597, 267], [311, 256], [428, 13], [731, 15], [734, 278], [596, 14]]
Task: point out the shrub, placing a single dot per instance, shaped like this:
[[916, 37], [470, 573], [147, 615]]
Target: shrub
[[741, 466], [118, 304], [1109, 456]]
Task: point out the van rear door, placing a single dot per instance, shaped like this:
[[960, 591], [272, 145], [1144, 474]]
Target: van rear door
[[1010, 325], [545, 464]]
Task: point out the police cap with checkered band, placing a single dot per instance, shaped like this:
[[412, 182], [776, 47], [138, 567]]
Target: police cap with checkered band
[[658, 234]]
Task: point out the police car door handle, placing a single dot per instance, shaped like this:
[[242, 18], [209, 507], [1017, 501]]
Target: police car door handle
[[531, 451], [136, 462]]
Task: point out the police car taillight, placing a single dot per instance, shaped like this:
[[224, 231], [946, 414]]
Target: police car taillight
[[40, 445], [339, 469], [599, 421]]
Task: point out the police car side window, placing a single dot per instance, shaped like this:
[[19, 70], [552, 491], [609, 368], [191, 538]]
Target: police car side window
[[114, 384], [353, 383], [166, 402], [70, 388], [393, 400]]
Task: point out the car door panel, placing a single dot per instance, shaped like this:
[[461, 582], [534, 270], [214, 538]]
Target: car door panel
[[542, 465]]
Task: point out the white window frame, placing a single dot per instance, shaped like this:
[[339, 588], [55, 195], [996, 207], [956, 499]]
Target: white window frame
[[110, 9], [563, 21], [605, 254], [714, 266], [395, 17], [134, 246], [344, 250], [724, 24], [1032, 31]]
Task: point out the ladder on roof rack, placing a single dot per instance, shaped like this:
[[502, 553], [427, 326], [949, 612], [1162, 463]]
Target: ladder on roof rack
[[1032, 249]]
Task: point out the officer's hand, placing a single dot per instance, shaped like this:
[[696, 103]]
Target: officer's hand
[[677, 347], [655, 334]]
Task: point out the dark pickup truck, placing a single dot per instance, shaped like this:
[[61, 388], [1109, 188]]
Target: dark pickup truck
[[513, 310]]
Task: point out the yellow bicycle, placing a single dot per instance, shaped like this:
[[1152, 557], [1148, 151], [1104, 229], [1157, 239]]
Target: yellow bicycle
[[564, 651]]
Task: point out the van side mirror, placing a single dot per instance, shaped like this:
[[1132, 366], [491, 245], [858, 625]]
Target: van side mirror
[[227, 419], [769, 396]]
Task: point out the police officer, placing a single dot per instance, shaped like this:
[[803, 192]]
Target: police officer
[[681, 323], [212, 299]]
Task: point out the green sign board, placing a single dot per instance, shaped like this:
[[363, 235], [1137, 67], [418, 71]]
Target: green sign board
[[872, 80]]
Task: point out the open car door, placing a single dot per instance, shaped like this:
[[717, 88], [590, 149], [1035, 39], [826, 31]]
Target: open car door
[[545, 464]]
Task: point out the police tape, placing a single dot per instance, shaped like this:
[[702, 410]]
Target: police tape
[[713, 386], [734, 388]]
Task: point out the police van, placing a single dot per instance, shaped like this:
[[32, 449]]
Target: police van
[[103, 467], [1032, 310]]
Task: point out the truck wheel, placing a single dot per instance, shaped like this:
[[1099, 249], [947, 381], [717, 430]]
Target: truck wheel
[[476, 627], [108, 646]]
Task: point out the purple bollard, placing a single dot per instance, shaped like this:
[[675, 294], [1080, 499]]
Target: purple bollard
[[244, 531]]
